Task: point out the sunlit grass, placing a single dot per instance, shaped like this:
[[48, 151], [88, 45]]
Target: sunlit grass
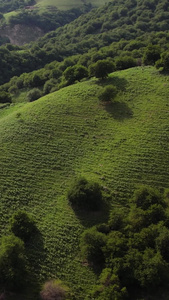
[[45, 144]]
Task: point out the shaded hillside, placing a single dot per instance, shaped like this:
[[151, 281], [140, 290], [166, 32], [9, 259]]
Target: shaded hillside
[[45, 144]]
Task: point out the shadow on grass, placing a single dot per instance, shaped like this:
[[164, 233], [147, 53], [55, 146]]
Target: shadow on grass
[[91, 218], [118, 110], [36, 255], [119, 83]]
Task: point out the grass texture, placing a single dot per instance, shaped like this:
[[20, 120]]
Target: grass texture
[[69, 133]]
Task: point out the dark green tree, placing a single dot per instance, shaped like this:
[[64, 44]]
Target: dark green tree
[[92, 244], [34, 94], [151, 54], [101, 68], [73, 73], [84, 194], [12, 263], [22, 225]]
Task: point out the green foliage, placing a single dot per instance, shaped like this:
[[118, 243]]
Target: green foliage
[[108, 93], [85, 195], [117, 219], [73, 73], [5, 97], [108, 287], [92, 244], [101, 68], [146, 196], [132, 259], [151, 54], [125, 62], [49, 86], [10, 5], [164, 61], [22, 225], [68, 133], [34, 94], [12, 263]]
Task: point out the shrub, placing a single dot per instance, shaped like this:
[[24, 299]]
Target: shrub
[[125, 62], [49, 85], [12, 263], [146, 196], [5, 97], [92, 244], [151, 54], [85, 195], [54, 290], [108, 93], [34, 94], [22, 225]]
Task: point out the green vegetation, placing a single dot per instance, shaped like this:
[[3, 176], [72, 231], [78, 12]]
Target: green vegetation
[[108, 93], [22, 225], [12, 263], [85, 195], [120, 227], [134, 257], [68, 134]]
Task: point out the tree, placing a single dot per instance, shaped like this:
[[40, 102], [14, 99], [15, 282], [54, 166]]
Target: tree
[[22, 225], [5, 97], [12, 263], [34, 94], [146, 196], [108, 93], [164, 61], [85, 195], [125, 62], [73, 73], [109, 287], [92, 244], [101, 68], [151, 54], [80, 72]]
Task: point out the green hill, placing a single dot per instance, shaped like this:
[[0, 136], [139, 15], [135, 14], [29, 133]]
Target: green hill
[[45, 144], [65, 5]]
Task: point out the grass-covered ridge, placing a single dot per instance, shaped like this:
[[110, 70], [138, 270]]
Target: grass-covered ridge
[[45, 144]]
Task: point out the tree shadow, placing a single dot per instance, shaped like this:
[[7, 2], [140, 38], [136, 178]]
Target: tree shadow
[[92, 218], [119, 83], [119, 110], [36, 255]]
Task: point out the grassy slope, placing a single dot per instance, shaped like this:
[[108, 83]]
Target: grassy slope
[[44, 144], [67, 4]]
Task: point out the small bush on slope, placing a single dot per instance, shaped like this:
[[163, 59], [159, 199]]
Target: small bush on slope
[[22, 225], [85, 195]]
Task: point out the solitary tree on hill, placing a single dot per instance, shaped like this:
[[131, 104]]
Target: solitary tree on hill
[[101, 68]]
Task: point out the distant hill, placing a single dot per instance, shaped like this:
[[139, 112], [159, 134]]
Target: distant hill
[[47, 143], [67, 4], [33, 19], [113, 30]]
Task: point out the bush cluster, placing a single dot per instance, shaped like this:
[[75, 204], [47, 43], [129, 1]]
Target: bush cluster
[[133, 249]]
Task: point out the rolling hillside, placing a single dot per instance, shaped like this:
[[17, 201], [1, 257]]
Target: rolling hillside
[[47, 143], [66, 4]]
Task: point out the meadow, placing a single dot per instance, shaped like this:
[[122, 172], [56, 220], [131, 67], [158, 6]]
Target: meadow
[[45, 144], [65, 5]]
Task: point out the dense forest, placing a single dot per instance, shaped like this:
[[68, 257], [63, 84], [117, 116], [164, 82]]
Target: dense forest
[[125, 252]]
